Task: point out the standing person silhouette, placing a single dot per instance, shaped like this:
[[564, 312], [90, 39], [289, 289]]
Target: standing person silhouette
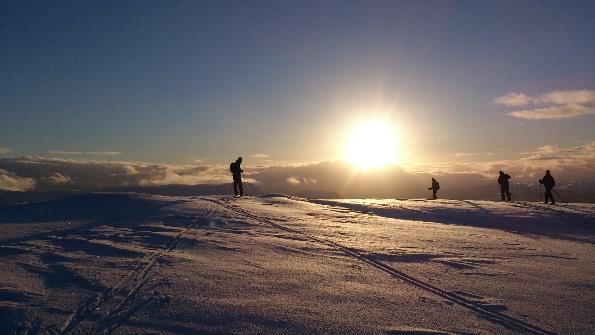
[[435, 186], [236, 171], [549, 183], [504, 185]]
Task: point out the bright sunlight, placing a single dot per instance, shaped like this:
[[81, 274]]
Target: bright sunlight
[[371, 144]]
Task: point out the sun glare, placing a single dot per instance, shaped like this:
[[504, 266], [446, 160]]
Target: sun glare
[[371, 144]]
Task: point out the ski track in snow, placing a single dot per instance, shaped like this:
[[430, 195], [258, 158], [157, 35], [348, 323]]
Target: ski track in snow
[[494, 316], [129, 286], [111, 307]]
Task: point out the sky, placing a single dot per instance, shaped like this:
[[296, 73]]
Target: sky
[[282, 82]]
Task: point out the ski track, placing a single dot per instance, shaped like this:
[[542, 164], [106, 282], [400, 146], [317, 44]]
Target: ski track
[[131, 284], [507, 321], [128, 287]]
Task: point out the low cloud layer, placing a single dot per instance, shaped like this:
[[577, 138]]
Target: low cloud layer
[[558, 104], [4, 150], [80, 153], [459, 180], [259, 156], [52, 174]]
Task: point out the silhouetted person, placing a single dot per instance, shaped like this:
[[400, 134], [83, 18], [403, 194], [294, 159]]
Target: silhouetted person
[[237, 176], [549, 183], [435, 186], [504, 186]]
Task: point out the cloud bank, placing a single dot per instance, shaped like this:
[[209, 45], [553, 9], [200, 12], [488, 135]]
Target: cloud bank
[[562, 104], [259, 156], [468, 180], [79, 153]]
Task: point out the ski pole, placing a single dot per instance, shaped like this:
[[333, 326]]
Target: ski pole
[[540, 191]]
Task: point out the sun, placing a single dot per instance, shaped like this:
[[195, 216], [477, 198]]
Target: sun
[[371, 144]]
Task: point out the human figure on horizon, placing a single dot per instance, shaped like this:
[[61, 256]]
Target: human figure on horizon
[[504, 186], [236, 171], [435, 186], [549, 183]]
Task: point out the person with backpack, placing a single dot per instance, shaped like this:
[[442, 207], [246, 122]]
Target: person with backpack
[[549, 183], [435, 187], [504, 185], [236, 171]]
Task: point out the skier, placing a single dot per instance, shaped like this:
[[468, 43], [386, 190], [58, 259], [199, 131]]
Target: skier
[[504, 186], [435, 186], [237, 176], [549, 183]]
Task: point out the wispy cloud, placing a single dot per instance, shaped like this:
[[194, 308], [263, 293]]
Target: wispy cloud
[[554, 112], [514, 99], [259, 156], [79, 153], [582, 97], [4, 150], [562, 104]]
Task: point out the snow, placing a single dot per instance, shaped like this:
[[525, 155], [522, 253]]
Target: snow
[[134, 263]]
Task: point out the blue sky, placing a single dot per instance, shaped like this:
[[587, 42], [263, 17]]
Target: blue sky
[[181, 81]]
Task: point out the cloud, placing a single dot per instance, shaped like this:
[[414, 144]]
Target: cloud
[[582, 97], [553, 112], [12, 182], [4, 150], [294, 180], [562, 104], [459, 180], [53, 174], [469, 154], [78, 153], [574, 163], [514, 99], [259, 156], [58, 178], [558, 97]]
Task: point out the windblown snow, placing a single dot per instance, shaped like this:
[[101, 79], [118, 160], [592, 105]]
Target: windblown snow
[[126, 263]]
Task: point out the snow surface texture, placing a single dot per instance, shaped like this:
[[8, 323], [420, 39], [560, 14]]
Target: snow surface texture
[[133, 263]]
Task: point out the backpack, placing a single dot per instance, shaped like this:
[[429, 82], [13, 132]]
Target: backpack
[[231, 167]]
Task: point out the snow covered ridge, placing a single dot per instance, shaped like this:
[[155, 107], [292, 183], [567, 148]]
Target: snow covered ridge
[[134, 263], [574, 220]]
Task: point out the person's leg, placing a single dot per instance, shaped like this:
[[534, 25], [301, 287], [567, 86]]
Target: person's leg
[[549, 195], [235, 187], [434, 194], [508, 193], [502, 191], [241, 188]]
